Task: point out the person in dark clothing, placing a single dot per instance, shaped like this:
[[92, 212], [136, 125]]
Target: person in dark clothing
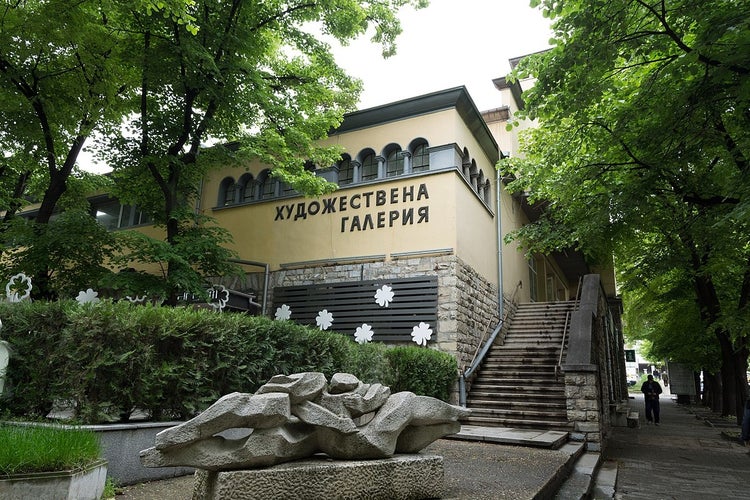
[[745, 436], [651, 390]]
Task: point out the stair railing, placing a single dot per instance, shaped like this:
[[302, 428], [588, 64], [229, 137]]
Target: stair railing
[[558, 367], [479, 357]]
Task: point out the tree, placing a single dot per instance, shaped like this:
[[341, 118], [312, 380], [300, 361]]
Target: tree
[[59, 82], [249, 72], [643, 109], [178, 73]]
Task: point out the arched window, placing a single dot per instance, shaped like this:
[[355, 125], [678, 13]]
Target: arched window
[[394, 163], [473, 174], [420, 159], [267, 185], [487, 192], [466, 164], [247, 188], [346, 171], [369, 167], [227, 191]]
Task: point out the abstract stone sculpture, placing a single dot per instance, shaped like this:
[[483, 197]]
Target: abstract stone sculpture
[[296, 416]]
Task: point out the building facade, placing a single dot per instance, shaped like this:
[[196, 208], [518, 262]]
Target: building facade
[[413, 236]]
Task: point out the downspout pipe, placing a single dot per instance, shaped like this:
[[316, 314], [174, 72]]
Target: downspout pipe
[[498, 191]]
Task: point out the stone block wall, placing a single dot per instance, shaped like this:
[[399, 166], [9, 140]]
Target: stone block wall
[[582, 392], [591, 378]]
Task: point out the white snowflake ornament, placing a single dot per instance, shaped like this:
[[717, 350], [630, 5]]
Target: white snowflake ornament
[[384, 296], [363, 334], [221, 295], [88, 297], [324, 319], [283, 313], [15, 285], [422, 333]]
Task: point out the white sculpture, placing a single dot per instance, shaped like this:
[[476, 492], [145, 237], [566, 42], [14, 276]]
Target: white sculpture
[[4, 359], [296, 416], [13, 287], [88, 297]]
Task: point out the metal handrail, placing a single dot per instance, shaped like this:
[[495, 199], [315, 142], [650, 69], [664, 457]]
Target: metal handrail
[[478, 358], [558, 367]]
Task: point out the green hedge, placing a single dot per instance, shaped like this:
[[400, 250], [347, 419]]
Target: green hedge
[[110, 358]]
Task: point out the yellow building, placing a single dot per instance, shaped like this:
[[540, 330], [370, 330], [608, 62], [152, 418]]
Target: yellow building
[[410, 248], [420, 210]]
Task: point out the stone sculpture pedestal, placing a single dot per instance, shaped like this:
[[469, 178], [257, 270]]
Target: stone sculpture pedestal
[[399, 477]]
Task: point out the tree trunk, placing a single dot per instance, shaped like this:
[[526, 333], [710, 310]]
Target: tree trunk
[[740, 379], [18, 191], [172, 232]]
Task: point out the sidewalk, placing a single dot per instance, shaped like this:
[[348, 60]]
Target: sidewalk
[[683, 458]]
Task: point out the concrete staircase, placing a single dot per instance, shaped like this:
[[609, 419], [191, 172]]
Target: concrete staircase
[[516, 385]]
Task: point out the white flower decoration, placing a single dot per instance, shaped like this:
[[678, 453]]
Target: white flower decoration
[[324, 319], [384, 296], [221, 294], [363, 334], [11, 289], [88, 297], [283, 313], [422, 333], [137, 299]]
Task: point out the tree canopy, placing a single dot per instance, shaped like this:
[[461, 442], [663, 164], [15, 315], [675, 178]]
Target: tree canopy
[[641, 150], [156, 82]]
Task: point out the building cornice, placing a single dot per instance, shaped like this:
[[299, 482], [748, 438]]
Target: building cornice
[[457, 98]]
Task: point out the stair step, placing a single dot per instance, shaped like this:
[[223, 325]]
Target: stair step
[[498, 390], [557, 414], [516, 385], [511, 404], [533, 369], [515, 422]]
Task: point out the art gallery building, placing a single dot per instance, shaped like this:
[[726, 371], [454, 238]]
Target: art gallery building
[[411, 248], [413, 236]]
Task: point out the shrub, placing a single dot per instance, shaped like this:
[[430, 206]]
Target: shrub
[[35, 335], [422, 371], [108, 359], [28, 449], [369, 363]]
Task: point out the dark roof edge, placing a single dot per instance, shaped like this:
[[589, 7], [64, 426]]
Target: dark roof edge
[[515, 89], [455, 98]]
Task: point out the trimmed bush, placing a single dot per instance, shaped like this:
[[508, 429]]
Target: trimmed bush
[[422, 371], [108, 359]]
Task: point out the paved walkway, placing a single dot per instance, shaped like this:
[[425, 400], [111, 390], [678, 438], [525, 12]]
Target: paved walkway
[[683, 458]]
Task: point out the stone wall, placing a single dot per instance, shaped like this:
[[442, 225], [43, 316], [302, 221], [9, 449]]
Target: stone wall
[[467, 303], [590, 381], [582, 392]]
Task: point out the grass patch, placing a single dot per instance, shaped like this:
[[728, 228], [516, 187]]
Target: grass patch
[[27, 449]]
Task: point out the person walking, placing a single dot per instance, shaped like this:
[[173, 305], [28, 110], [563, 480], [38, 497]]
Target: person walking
[[651, 390], [745, 435]]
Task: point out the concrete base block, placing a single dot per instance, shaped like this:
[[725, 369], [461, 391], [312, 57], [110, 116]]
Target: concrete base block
[[634, 419], [398, 477]]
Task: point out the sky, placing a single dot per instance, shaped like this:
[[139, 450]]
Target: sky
[[445, 45], [448, 44]]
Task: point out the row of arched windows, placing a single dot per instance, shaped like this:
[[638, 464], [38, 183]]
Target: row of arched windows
[[391, 162], [248, 189], [366, 166], [475, 176]]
